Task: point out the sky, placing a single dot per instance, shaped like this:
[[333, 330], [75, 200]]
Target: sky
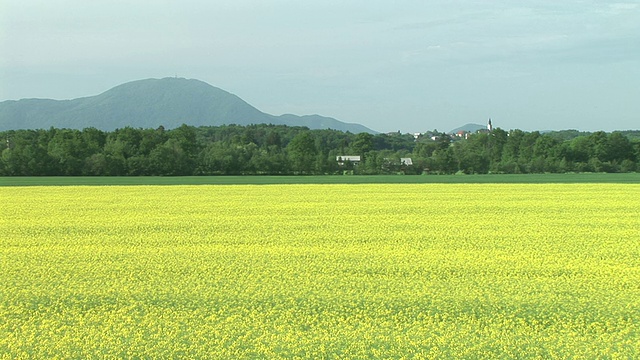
[[403, 65]]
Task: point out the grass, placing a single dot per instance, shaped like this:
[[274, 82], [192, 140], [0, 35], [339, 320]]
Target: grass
[[627, 178]]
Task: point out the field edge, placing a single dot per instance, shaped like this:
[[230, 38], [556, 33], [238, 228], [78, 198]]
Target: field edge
[[624, 178]]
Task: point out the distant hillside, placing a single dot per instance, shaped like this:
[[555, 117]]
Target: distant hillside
[[169, 102], [469, 128], [321, 122]]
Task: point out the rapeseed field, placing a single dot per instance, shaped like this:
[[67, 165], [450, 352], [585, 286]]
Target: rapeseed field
[[321, 271]]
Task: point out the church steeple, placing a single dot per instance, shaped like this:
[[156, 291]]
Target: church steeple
[[489, 126]]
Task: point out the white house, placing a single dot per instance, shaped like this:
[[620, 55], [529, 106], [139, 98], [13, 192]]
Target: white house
[[406, 161], [354, 159]]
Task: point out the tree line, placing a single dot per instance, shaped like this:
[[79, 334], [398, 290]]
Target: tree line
[[285, 150]]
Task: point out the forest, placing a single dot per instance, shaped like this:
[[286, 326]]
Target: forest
[[286, 150]]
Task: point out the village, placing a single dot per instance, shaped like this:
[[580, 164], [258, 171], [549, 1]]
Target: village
[[434, 135]]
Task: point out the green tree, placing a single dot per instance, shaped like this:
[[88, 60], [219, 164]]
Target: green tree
[[67, 150], [170, 159], [302, 153], [362, 144], [619, 148], [472, 156]]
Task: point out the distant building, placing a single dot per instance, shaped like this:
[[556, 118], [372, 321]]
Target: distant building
[[488, 129], [406, 161], [354, 159]]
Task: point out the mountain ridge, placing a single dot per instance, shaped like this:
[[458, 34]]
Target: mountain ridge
[[470, 127], [150, 103]]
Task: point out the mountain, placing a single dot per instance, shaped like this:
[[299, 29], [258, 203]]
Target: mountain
[[321, 122], [469, 128], [169, 102]]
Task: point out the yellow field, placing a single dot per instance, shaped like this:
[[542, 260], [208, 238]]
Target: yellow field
[[320, 271]]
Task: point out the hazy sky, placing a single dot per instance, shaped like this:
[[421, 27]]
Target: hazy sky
[[389, 65]]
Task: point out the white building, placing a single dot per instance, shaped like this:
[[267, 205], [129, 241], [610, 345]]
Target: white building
[[406, 161], [354, 159]]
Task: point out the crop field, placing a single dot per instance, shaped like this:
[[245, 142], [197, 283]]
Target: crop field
[[321, 271]]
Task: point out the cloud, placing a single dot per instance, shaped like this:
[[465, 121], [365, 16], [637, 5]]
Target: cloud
[[618, 8]]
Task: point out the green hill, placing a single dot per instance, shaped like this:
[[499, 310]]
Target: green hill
[[169, 102], [468, 128]]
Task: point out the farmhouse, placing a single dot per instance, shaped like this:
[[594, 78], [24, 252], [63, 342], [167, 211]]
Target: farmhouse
[[354, 159]]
